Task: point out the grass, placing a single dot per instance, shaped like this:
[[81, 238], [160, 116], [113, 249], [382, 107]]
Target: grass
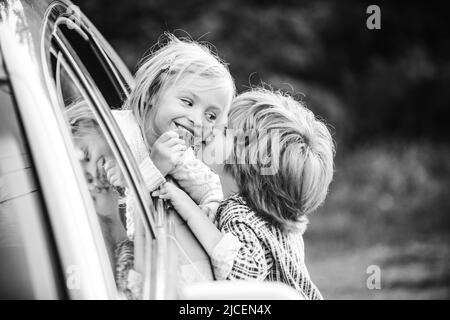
[[388, 206]]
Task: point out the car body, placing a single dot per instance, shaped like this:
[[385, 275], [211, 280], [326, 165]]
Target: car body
[[51, 243]]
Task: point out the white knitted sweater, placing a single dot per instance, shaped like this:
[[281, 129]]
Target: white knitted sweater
[[192, 175]]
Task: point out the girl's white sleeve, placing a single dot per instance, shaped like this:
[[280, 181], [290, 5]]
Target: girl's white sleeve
[[151, 175], [200, 182], [133, 136]]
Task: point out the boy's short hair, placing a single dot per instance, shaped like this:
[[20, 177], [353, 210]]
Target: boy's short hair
[[301, 147]]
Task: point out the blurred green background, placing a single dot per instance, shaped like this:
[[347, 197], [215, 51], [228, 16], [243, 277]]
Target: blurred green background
[[385, 93]]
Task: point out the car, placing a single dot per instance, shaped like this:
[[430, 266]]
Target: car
[[53, 243]]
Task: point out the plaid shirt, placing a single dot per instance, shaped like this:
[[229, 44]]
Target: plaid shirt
[[254, 249]]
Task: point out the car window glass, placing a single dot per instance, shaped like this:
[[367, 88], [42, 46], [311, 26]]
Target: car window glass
[[92, 62], [94, 78], [103, 176]]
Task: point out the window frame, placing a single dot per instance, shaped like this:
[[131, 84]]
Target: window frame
[[102, 112], [153, 222], [94, 224]]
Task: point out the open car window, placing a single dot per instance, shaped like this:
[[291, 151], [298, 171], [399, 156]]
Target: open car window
[[100, 68], [87, 87], [101, 174], [184, 258], [65, 24]]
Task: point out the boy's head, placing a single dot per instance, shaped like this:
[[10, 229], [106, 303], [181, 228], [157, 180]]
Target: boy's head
[[180, 69], [282, 156]]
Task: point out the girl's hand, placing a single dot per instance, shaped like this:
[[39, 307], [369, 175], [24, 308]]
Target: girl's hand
[[167, 152], [106, 203], [113, 173], [180, 200]]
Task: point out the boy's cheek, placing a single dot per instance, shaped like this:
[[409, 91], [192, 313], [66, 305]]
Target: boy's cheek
[[228, 146], [217, 152]]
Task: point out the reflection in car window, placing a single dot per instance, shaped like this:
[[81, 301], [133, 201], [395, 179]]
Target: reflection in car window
[[103, 176], [102, 173]]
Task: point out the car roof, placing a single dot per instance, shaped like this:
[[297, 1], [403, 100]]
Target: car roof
[[25, 18]]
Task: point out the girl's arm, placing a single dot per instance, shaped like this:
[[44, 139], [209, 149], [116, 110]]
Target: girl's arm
[[235, 254], [205, 231], [199, 182]]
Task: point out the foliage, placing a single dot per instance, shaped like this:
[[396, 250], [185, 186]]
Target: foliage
[[370, 84]]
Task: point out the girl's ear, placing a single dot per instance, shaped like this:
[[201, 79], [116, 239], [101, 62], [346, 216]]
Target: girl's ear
[[153, 90]]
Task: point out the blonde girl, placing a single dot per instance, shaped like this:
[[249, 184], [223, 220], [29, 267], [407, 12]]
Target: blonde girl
[[182, 90]]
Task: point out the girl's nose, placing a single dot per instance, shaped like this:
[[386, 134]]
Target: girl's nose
[[196, 118]]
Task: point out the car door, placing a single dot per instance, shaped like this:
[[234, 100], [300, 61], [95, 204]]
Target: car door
[[29, 261], [63, 241]]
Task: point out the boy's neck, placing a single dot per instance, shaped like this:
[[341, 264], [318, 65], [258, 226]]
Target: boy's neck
[[229, 186]]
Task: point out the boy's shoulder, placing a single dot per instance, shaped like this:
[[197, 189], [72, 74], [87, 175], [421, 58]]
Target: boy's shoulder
[[235, 209], [235, 202]]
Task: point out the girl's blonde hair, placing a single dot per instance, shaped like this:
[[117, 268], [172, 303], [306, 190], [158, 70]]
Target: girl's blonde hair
[[304, 153], [171, 59], [81, 119]]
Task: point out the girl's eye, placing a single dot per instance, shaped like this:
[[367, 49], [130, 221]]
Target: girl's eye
[[211, 117], [187, 101]]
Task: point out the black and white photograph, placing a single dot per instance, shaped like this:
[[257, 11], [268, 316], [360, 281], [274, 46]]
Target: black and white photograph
[[234, 151]]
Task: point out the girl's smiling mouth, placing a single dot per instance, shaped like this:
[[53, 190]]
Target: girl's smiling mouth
[[184, 128]]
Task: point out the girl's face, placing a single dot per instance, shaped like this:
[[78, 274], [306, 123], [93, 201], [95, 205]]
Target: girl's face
[[92, 152], [189, 106]]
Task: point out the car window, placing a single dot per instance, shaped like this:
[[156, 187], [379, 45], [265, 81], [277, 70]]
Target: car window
[[81, 72], [100, 68], [103, 174], [187, 257], [67, 90]]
